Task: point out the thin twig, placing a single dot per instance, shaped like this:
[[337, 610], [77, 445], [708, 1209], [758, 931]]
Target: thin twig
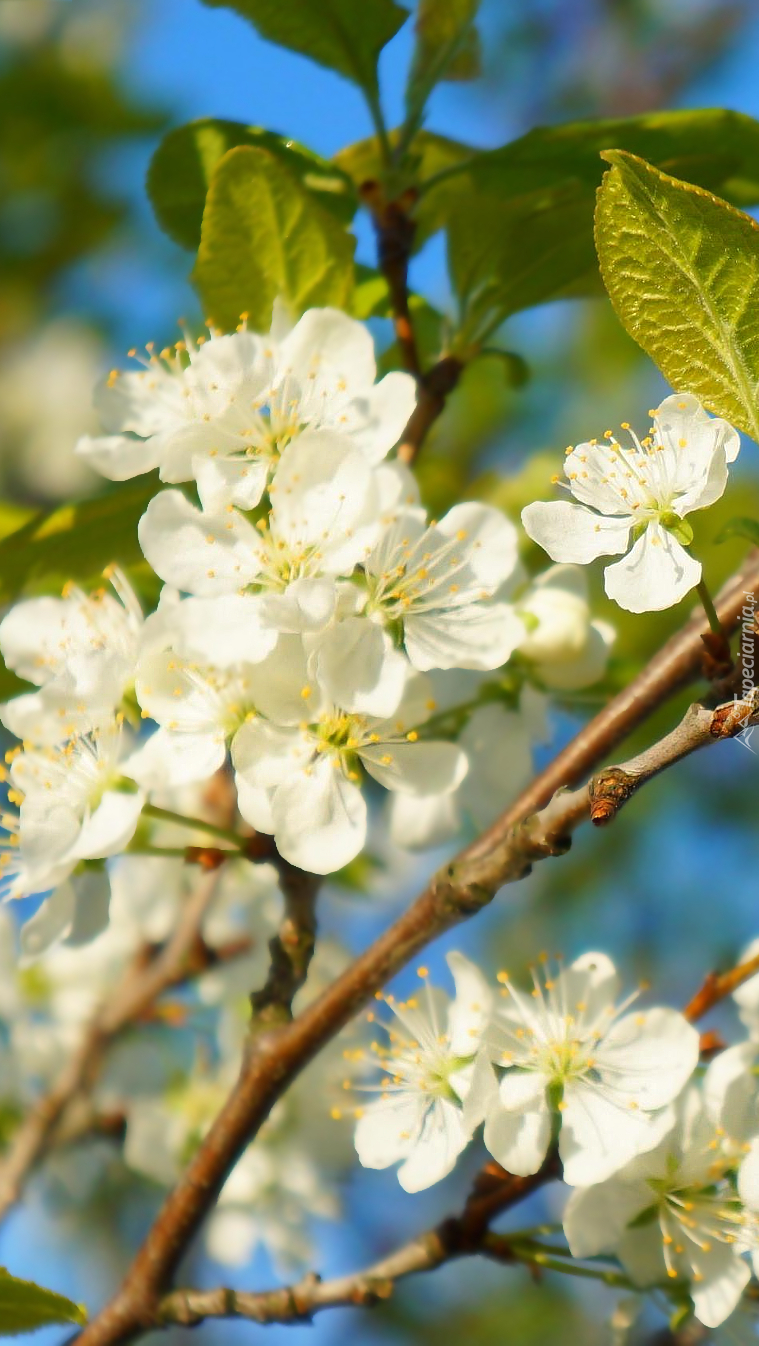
[[717, 986], [462, 1235], [395, 229], [276, 1056]]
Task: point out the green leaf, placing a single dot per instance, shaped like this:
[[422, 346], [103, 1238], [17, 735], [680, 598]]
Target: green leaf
[[520, 218], [74, 542], [181, 169], [344, 35], [739, 527], [682, 270], [710, 146], [264, 236], [505, 256], [24, 1307], [447, 48]]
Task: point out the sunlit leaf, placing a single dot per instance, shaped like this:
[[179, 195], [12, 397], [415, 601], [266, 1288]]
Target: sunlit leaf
[[682, 270], [182, 167], [265, 237], [24, 1307], [74, 542], [343, 35]]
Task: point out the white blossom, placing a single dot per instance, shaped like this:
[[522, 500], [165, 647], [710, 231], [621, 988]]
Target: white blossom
[[75, 803], [419, 1120], [300, 777], [437, 584], [673, 1214], [80, 650], [570, 1056], [323, 519], [645, 489], [222, 412]]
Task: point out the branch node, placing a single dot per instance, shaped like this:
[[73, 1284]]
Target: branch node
[[609, 790]]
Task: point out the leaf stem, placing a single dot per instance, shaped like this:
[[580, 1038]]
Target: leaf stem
[[198, 824], [709, 608], [375, 108], [557, 1259], [172, 852]]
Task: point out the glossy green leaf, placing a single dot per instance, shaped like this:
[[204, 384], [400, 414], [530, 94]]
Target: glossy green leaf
[[182, 167], [265, 237], [739, 527], [24, 1307], [682, 270], [74, 542], [344, 35]]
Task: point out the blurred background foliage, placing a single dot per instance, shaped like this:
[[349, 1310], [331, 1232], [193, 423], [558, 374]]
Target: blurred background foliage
[[87, 88]]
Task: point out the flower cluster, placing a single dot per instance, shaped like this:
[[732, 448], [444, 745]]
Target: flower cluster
[[662, 1158], [317, 634]]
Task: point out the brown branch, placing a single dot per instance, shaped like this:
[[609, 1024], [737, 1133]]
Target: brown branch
[[717, 986], [494, 1192], [434, 389], [395, 229], [149, 977], [291, 949], [275, 1057]]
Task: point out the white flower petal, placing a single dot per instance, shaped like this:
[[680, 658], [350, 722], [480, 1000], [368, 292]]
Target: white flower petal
[[470, 1012], [111, 826], [442, 1137], [416, 768], [654, 575], [388, 1129], [490, 538], [518, 1140], [523, 1090], [326, 345], [50, 924], [570, 532], [598, 1136], [229, 481], [382, 414], [199, 553], [650, 1056], [169, 759], [595, 1218], [724, 1278], [319, 818], [478, 635], [418, 822], [118, 457], [359, 668], [266, 755]]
